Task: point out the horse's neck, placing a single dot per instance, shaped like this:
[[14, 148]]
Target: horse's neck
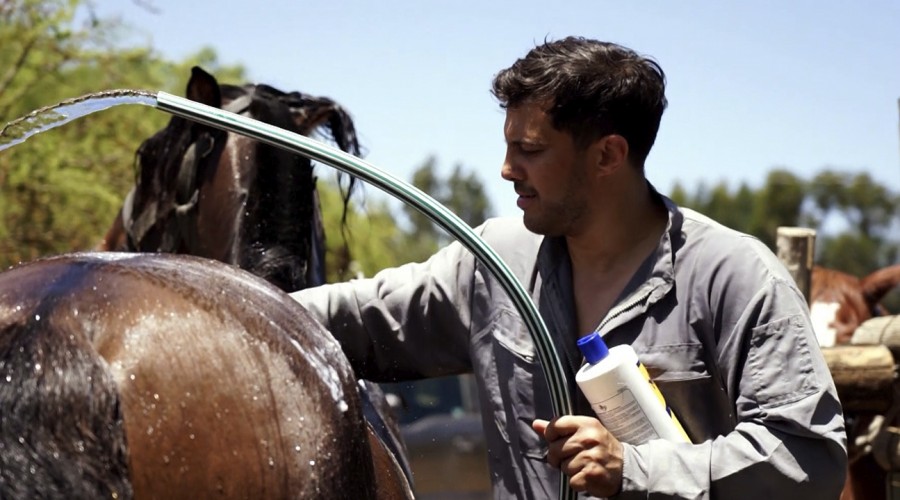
[[879, 283]]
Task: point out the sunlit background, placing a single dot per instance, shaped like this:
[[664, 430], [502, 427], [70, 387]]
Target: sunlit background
[[752, 85]]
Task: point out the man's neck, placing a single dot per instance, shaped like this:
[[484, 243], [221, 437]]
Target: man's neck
[[606, 254], [626, 222]]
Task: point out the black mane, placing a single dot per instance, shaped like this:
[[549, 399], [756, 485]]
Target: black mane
[[62, 432], [281, 200], [281, 218]]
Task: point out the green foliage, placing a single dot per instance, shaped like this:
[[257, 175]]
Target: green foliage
[[777, 204], [372, 240], [60, 190], [368, 243], [854, 216], [461, 192]]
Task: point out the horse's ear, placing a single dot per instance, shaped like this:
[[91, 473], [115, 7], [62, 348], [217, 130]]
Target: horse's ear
[[203, 88]]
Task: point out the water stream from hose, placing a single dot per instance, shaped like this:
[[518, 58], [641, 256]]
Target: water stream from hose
[[49, 117]]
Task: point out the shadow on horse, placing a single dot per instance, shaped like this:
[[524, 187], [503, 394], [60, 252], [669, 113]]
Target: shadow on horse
[[839, 304], [204, 371]]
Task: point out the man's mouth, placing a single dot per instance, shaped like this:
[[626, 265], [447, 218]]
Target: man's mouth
[[526, 197], [523, 191]]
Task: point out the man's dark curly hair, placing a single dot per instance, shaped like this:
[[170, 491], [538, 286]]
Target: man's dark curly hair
[[591, 89]]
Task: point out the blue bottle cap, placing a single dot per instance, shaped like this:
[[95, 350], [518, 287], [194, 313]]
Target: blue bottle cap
[[593, 347]]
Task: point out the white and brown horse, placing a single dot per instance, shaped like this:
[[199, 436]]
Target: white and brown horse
[[840, 302]]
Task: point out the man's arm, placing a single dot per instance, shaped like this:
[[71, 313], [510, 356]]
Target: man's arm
[[404, 323]]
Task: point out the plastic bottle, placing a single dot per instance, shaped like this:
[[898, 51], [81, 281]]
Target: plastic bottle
[[620, 391]]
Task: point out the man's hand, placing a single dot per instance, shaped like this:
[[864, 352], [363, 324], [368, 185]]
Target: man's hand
[[585, 451]]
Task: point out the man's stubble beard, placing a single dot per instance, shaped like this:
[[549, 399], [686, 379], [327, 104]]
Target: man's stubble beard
[[558, 217]]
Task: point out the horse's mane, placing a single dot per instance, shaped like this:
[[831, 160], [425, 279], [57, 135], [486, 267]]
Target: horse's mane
[[280, 240], [158, 158], [61, 426], [277, 245], [284, 234], [340, 126]]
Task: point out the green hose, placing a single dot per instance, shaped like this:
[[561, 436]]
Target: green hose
[[438, 213]]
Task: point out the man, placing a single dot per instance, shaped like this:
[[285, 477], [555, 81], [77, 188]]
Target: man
[[711, 312]]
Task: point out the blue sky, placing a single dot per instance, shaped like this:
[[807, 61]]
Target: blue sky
[[802, 85]]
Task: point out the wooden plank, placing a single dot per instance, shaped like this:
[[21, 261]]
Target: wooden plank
[[880, 330], [863, 375]]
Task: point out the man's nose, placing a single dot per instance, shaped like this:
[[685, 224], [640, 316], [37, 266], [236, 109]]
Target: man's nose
[[507, 170]]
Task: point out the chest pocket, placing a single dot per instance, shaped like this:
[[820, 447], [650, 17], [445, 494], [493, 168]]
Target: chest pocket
[[674, 362], [523, 387], [697, 398]]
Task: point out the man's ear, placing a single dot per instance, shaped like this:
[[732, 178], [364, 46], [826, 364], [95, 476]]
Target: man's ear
[[610, 152]]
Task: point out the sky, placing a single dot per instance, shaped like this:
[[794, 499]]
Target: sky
[[803, 85]]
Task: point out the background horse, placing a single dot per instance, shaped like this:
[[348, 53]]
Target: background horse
[[141, 375], [839, 304], [215, 194]]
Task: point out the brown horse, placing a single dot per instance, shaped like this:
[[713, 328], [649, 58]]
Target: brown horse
[[205, 192], [162, 376], [839, 303]]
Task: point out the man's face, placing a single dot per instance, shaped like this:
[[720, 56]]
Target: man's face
[[547, 170]]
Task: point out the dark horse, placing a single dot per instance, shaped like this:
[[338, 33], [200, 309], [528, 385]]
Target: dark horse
[[839, 304], [164, 376], [206, 192]]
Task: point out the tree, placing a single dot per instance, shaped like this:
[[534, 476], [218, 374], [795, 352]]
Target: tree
[[854, 216], [461, 192], [867, 213], [370, 240], [59, 191], [777, 204], [422, 237]]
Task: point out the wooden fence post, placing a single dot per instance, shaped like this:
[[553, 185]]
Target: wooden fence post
[[796, 250]]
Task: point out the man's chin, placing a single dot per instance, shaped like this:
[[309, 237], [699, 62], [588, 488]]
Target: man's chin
[[539, 225]]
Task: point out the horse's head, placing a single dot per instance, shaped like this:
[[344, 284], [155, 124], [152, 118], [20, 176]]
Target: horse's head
[[840, 302], [215, 194]]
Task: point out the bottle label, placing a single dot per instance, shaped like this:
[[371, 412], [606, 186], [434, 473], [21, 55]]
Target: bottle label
[[624, 418]]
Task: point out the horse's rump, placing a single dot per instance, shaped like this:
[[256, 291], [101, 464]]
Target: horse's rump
[[171, 376]]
